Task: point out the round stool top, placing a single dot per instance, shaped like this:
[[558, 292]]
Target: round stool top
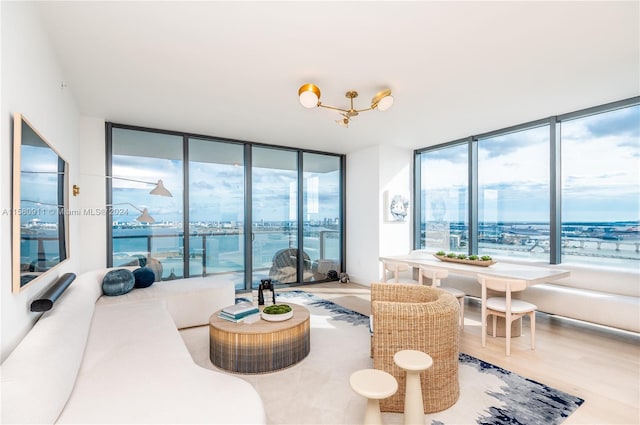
[[373, 383], [413, 360]]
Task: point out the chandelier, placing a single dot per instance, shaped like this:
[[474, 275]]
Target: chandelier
[[309, 95]]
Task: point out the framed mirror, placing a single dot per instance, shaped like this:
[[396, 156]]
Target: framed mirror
[[39, 208]]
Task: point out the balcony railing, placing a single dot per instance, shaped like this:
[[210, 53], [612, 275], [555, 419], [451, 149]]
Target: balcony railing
[[222, 252]]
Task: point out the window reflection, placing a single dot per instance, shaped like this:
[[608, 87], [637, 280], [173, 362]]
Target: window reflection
[[321, 194], [513, 194], [147, 156], [444, 181]]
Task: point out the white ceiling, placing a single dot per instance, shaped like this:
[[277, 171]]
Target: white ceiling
[[232, 69]]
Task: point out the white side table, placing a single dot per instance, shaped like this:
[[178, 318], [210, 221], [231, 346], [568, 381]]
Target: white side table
[[373, 384], [413, 362]]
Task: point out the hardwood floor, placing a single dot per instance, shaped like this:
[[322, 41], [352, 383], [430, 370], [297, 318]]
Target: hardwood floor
[[598, 364]]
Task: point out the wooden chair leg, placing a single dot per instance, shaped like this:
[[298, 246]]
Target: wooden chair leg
[[533, 329], [484, 330], [495, 323], [507, 331]]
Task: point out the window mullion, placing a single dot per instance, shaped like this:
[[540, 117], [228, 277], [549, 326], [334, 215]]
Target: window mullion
[[555, 188], [473, 196]]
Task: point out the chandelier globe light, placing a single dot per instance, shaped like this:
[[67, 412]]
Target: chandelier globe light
[[309, 96], [382, 100]]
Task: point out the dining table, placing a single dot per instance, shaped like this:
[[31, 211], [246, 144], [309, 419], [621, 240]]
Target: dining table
[[532, 274]]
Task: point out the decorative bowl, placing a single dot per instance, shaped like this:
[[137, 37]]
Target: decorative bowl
[[481, 263], [277, 313]]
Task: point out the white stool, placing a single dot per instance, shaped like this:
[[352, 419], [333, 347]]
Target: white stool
[[413, 362], [373, 384]]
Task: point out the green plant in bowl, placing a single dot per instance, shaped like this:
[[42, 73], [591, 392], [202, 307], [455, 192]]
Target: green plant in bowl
[[473, 257], [486, 258], [440, 253], [462, 257], [277, 309], [452, 255]]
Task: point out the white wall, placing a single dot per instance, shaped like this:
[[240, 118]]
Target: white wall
[[371, 173], [92, 168], [31, 83], [363, 215], [395, 179]]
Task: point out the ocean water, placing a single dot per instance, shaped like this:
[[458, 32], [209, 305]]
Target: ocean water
[[218, 253]]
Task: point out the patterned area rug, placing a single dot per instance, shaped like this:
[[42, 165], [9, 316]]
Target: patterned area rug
[[316, 390]]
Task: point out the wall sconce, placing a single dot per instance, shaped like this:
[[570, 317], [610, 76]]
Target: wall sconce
[[75, 190]]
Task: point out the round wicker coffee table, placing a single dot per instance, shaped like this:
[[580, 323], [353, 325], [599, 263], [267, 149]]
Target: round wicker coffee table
[[259, 347]]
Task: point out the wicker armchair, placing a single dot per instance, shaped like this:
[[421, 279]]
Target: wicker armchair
[[423, 318]]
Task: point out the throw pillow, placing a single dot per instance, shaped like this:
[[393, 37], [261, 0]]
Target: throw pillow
[[118, 282], [142, 260], [144, 277]]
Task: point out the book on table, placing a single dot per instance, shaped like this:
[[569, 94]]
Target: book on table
[[246, 317], [240, 308], [239, 312]]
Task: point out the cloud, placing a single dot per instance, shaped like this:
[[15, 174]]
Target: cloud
[[621, 122], [501, 146], [455, 154]]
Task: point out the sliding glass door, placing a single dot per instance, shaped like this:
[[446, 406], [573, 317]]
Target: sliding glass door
[[274, 201], [321, 215], [147, 229], [216, 210], [237, 210]]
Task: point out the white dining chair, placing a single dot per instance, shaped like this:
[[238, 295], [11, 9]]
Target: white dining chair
[[505, 307], [436, 276], [395, 267]]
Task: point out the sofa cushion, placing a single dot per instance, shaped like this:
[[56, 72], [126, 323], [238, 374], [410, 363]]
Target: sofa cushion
[[144, 277], [118, 282], [136, 369]]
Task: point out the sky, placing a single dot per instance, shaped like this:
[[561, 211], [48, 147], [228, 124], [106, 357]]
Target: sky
[[216, 191], [600, 157]]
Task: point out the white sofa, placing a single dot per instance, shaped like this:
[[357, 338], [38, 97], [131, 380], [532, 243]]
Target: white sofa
[[97, 359]]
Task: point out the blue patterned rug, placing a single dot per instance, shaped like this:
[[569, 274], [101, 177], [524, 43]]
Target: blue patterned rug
[[495, 396]]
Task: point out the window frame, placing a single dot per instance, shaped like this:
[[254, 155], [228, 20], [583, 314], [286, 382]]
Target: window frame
[[555, 178], [109, 126]]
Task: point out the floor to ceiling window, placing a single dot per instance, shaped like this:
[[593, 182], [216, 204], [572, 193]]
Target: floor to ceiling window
[[562, 189], [251, 212], [513, 193], [601, 186], [322, 241], [147, 229], [444, 179], [275, 215], [216, 209]]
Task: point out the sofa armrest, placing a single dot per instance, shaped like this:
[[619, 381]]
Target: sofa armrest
[[39, 375]]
